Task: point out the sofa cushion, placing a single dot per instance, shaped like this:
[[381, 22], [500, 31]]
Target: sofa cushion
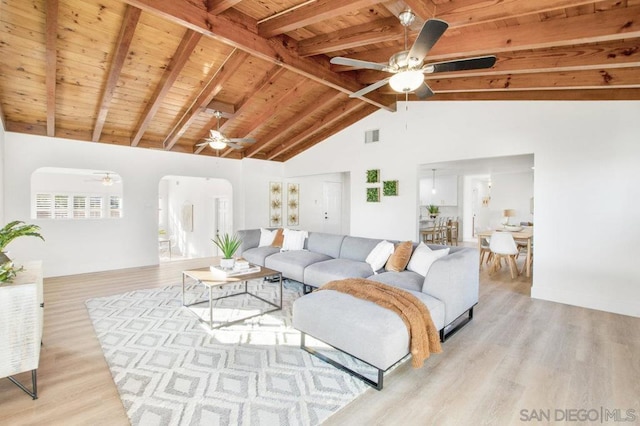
[[266, 237], [257, 255], [379, 255], [400, 257], [335, 269], [359, 327], [328, 244], [357, 248], [293, 263], [294, 240], [423, 257], [406, 280]]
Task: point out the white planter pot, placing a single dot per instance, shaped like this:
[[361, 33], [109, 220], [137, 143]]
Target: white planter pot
[[227, 263]]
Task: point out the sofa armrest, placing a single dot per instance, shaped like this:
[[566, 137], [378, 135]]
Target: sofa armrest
[[454, 279], [250, 239]]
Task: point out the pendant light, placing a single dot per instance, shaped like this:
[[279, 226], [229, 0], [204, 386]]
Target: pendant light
[[433, 187]]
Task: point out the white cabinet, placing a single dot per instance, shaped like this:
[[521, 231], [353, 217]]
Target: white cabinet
[[21, 317], [446, 191]]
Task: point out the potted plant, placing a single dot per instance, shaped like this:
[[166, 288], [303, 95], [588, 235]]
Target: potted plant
[[228, 245], [8, 233], [433, 210]]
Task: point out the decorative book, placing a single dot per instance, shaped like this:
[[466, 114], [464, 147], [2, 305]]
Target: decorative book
[[235, 271]]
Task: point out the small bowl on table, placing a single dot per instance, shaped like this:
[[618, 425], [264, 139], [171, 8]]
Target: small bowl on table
[[512, 228]]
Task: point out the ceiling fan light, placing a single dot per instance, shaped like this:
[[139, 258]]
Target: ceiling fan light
[[107, 181], [406, 81], [217, 144]]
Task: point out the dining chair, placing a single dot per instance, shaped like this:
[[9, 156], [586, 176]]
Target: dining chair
[[485, 250], [452, 231], [503, 245]]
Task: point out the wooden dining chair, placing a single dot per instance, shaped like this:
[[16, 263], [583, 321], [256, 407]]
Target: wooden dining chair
[[503, 246], [452, 231]]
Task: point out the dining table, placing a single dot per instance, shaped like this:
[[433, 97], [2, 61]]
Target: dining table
[[524, 235]]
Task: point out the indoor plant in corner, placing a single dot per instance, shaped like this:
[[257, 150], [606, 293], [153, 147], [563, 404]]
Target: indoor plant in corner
[[433, 210], [10, 232], [228, 244]]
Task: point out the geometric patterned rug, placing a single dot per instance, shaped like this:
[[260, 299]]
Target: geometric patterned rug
[[170, 369]]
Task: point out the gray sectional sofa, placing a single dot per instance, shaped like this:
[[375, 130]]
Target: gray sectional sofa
[[449, 290]]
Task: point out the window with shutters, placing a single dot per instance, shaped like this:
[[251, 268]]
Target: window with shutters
[[115, 206], [76, 194]]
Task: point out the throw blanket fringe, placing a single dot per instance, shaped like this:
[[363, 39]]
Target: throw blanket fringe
[[423, 334]]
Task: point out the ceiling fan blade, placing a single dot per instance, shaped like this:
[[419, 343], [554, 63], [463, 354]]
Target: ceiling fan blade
[[234, 145], [202, 144], [424, 91], [430, 33], [370, 88], [244, 140], [356, 63], [462, 64]]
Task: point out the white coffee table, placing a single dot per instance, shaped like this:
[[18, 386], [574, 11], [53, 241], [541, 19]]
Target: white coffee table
[[205, 277]]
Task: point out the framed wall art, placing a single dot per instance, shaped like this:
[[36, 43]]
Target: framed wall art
[[275, 204]]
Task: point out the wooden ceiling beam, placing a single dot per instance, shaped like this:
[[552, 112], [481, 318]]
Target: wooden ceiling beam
[[312, 13], [51, 34], [460, 13], [615, 54], [378, 31], [214, 86], [272, 75], [226, 109], [316, 105], [274, 50], [604, 26], [354, 117], [543, 95], [587, 79], [273, 106], [328, 120], [128, 28], [171, 73], [424, 9], [218, 6]]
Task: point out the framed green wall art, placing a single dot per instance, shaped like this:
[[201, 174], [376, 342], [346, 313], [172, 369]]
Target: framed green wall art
[[389, 188], [373, 176], [373, 195]]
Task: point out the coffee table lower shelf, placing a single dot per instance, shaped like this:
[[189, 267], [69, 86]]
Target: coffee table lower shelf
[[205, 278]]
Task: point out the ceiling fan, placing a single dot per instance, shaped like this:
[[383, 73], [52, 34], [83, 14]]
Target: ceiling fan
[[107, 179], [217, 140], [408, 66]]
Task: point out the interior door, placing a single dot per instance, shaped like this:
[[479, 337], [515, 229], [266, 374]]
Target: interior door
[[222, 222], [332, 207]]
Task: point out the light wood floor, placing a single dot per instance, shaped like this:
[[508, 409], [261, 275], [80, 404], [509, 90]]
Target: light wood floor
[[517, 354]]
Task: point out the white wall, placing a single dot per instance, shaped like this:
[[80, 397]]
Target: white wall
[[73, 247], [586, 156], [256, 175], [312, 200]]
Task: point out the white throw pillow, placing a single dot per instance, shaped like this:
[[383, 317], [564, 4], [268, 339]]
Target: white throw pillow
[[423, 257], [379, 255], [267, 237], [294, 240]]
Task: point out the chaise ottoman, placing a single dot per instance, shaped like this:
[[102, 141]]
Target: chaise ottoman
[[362, 329]]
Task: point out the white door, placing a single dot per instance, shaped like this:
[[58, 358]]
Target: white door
[[332, 207]]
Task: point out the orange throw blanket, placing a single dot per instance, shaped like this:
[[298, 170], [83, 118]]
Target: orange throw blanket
[[423, 334]]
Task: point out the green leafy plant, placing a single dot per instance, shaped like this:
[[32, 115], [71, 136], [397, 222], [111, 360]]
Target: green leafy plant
[[8, 233], [228, 244], [15, 229], [373, 195], [390, 187], [373, 176], [433, 209]]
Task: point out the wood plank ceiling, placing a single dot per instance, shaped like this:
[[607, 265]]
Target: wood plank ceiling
[[150, 73]]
